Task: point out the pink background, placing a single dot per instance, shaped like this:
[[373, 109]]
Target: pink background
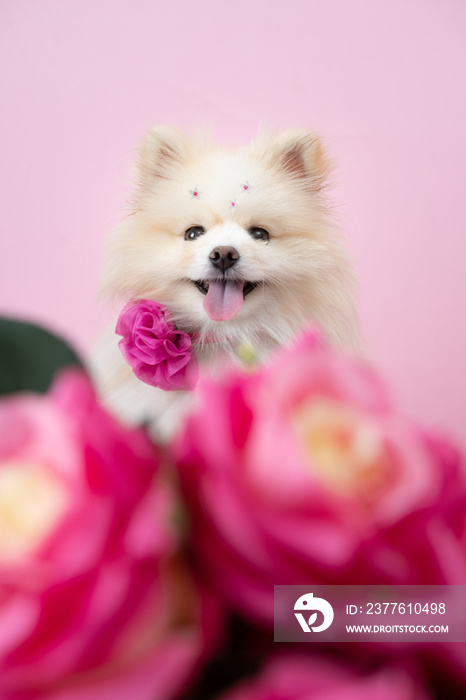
[[384, 82]]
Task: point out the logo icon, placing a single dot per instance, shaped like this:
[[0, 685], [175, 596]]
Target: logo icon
[[308, 603]]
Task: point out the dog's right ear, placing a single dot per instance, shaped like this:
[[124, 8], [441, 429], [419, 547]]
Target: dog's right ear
[[161, 153], [300, 155]]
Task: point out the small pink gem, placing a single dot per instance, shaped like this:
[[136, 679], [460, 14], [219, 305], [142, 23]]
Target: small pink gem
[[246, 187], [195, 194]]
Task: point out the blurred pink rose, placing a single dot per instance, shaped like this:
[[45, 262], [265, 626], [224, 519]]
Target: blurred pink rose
[[93, 601], [303, 472], [293, 677]]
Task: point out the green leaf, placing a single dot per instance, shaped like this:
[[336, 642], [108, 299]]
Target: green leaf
[[30, 356]]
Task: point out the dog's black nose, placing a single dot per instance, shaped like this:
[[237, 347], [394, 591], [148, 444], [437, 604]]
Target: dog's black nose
[[224, 257]]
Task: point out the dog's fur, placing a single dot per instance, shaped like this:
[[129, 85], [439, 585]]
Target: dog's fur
[[303, 270]]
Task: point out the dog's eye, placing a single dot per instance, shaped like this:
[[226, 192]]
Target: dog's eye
[[193, 232], [259, 234]]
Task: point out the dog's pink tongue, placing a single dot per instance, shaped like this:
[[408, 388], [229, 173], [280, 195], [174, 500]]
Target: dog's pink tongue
[[223, 299]]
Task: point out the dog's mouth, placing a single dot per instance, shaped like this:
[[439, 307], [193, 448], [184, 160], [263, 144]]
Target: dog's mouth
[[203, 286], [224, 297]]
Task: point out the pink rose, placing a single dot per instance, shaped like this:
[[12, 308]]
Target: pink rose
[[295, 677], [94, 602], [159, 354], [303, 472]]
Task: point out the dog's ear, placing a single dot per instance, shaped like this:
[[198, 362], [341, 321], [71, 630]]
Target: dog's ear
[[300, 153], [161, 153]]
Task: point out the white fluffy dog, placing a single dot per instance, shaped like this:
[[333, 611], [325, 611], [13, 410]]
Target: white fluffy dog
[[238, 244]]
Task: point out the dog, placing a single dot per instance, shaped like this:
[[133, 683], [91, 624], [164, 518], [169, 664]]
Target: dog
[[238, 244]]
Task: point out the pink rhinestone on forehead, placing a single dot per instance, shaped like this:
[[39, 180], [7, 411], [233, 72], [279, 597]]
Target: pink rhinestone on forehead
[[245, 187]]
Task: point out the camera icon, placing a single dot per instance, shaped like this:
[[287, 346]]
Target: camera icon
[[308, 603]]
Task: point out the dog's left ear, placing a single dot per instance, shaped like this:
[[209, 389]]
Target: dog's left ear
[[162, 151], [300, 153]]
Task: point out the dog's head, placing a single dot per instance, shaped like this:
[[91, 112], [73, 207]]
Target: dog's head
[[235, 242]]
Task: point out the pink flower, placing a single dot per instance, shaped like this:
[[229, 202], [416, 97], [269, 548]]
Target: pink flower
[[295, 677], [303, 472], [159, 354], [94, 602]]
